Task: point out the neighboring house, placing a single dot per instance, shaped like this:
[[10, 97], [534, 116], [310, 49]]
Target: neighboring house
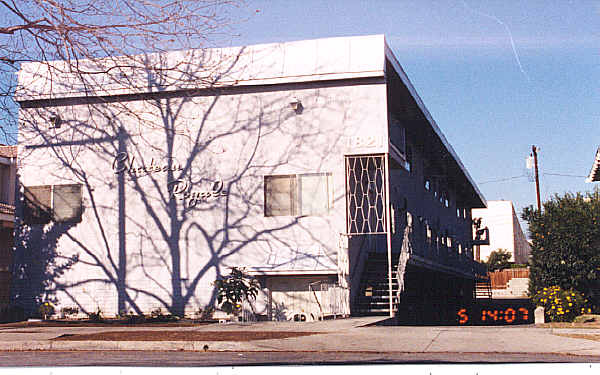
[[505, 231], [594, 175], [306, 163], [8, 171]]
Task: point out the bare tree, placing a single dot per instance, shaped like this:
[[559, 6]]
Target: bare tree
[[125, 103], [76, 30]]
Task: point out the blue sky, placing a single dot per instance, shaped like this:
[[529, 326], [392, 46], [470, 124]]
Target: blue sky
[[497, 76]]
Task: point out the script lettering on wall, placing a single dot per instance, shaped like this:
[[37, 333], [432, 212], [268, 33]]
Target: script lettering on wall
[[182, 190], [178, 189], [124, 163]]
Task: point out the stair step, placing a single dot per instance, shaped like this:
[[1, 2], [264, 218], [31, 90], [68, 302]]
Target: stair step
[[378, 285], [380, 299], [371, 304], [373, 312], [383, 287]]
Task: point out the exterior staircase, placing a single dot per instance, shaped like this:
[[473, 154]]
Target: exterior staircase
[[483, 288], [374, 290]]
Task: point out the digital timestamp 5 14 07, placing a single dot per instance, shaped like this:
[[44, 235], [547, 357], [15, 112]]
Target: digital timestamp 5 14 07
[[496, 313]]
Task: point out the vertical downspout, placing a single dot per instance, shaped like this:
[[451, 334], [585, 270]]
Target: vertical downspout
[[122, 270], [388, 229]]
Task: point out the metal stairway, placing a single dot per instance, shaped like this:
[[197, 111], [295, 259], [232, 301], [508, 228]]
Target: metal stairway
[[374, 290], [483, 288]]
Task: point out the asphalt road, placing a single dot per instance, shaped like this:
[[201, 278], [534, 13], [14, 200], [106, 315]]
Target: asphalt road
[[199, 359]]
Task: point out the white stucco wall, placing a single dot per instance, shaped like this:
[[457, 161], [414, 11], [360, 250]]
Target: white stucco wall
[[505, 231], [236, 139]]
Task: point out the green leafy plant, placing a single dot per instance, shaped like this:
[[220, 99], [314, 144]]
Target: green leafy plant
[[132, 318], [205, 313], [157, 315], [560, 305], [498, 260], [565, 247], [96, 316], [136, 319], [65, 311], [46, 309], [234, 288]]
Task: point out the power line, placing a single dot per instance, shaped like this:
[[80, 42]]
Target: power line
[[563, 175], [502, 179]]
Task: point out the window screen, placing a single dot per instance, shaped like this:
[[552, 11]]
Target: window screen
[[280, 195], [67, 203], [59, 203], [314, 194], [38, 204], [304, 194]]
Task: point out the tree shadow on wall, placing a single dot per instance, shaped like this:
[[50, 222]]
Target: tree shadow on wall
[[173, 185], [37, 263]]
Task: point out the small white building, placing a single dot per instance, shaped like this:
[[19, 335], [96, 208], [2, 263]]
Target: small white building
[[505, 231], [146, 177]]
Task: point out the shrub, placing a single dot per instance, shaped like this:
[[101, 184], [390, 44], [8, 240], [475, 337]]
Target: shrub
[[565, 247], [157, 315], [234, 288], [131, 318], [136, 319], [498, 260], [561, 305], [46, 309], [205, 313], [96, 316], [66, 311]]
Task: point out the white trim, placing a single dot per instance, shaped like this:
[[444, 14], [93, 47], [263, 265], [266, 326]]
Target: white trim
[[399, 157], [258, 271]]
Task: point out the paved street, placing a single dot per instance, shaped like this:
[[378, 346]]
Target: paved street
[[193, 359], [354, 340]]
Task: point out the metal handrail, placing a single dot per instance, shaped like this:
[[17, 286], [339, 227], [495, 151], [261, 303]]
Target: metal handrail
[[6, 208]]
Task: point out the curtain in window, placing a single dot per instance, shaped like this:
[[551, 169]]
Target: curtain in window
[[67, 203], [279, 195], [314, 194]]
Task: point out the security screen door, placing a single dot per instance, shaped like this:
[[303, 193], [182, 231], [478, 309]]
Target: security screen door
[[365, 194]]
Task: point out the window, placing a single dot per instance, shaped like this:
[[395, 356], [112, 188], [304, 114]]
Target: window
[[298, 195], [38, 204], [280, 195], [398, 135], [59, 203]]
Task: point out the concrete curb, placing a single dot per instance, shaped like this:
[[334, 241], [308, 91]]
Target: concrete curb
[[197, 346], [576, 331], [339, 337], [213, 346]]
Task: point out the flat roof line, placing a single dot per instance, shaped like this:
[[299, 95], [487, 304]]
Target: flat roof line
[[413, 92]]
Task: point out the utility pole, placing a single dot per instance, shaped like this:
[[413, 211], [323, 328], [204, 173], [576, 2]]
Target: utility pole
[[537, 178]]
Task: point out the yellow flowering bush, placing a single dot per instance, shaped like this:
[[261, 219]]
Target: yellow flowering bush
[[46, 310], [561, 305]]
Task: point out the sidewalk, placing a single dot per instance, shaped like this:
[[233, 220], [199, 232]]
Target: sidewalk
[[347, 335]]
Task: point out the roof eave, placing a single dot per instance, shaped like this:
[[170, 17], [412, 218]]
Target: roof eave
[[593, 175], [481, 202]]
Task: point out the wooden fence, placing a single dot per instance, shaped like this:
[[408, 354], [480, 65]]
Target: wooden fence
[[499, 279]]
